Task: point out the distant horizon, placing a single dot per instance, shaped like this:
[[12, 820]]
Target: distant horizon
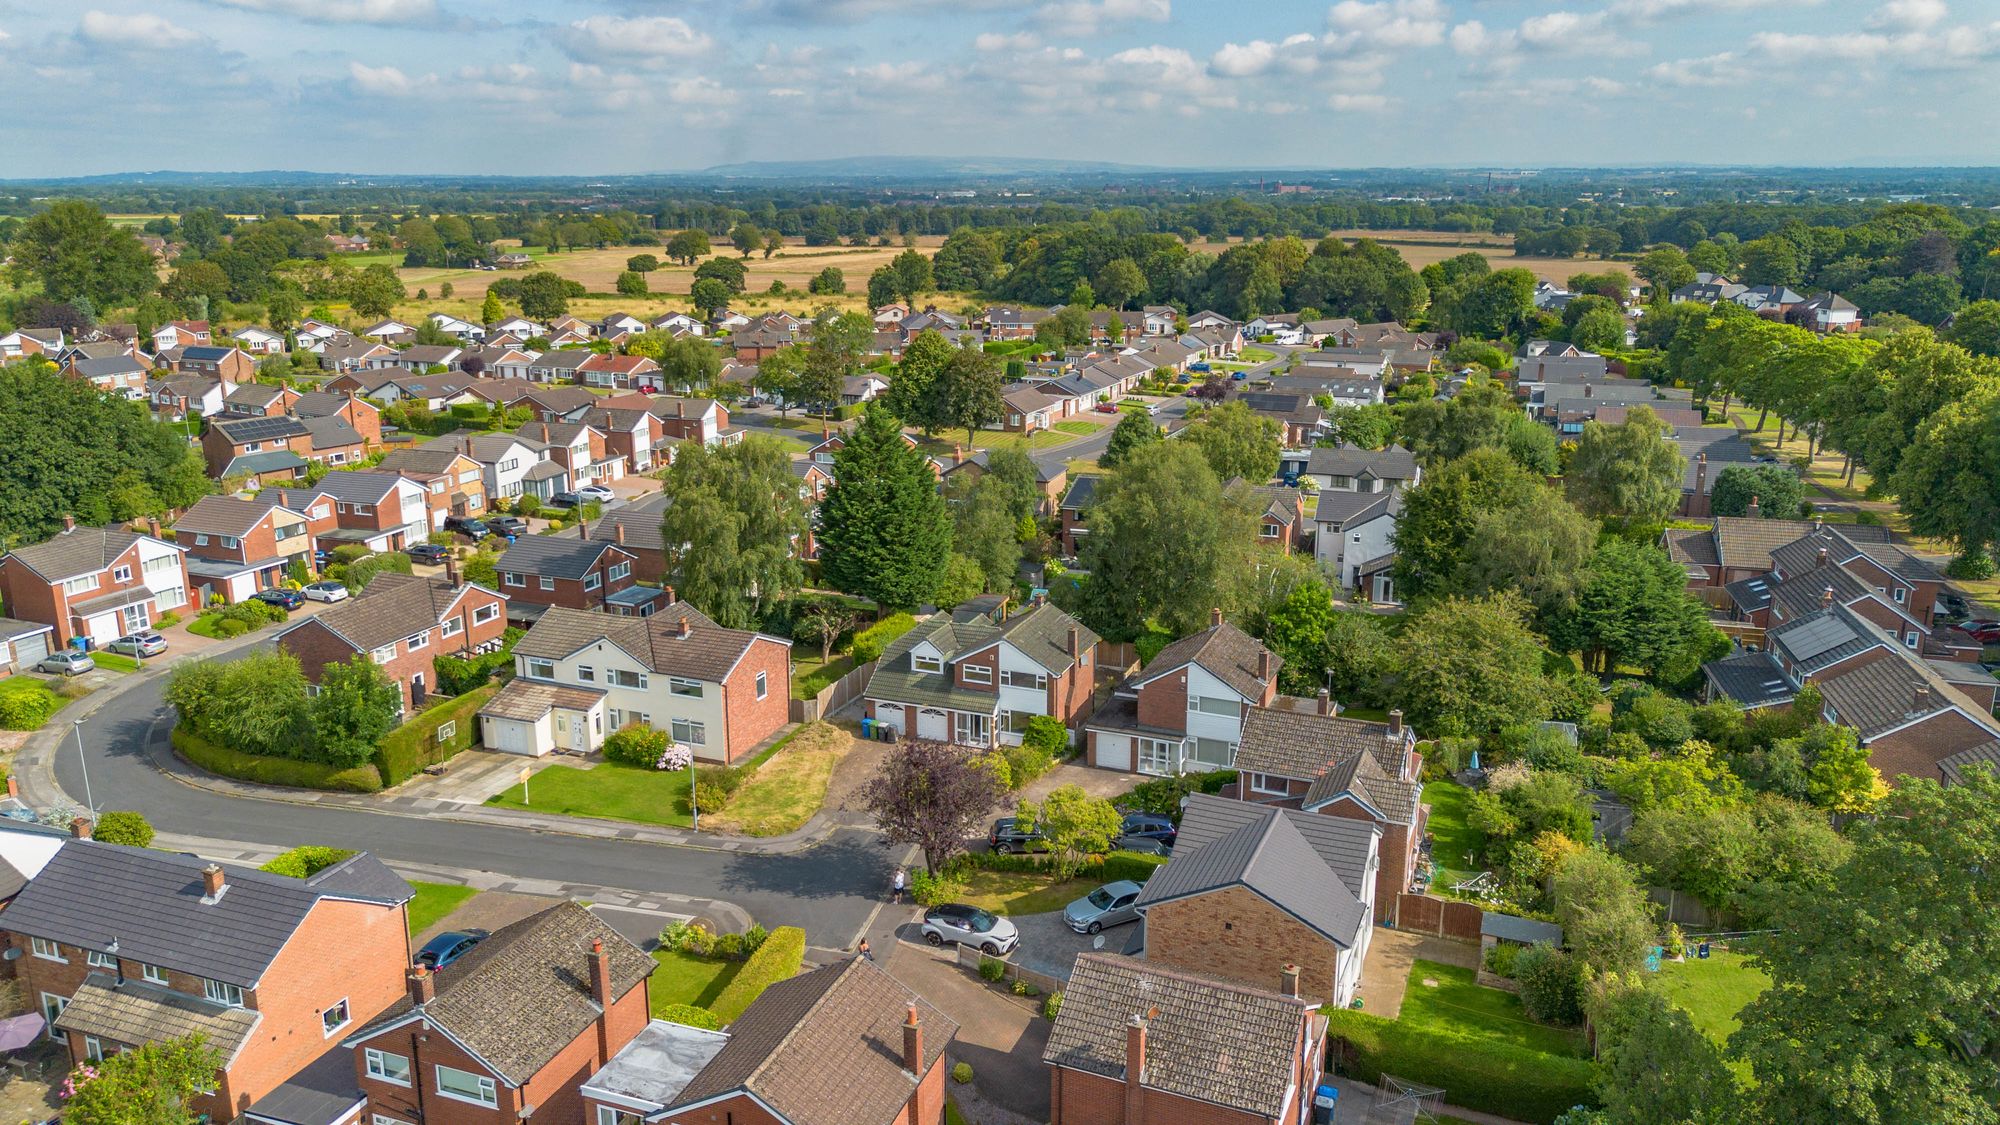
[[537, 87]]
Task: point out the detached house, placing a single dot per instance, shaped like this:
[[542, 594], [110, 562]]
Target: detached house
[[94, 582], [635, 529], [621, 372], [977, 681], [401, 622], [119, 946], [721, 692], [381, 511], [117, 374], [181, 334], [230, 365], [263, 449], [509, 1032], [1185, 710], [236, 548], [544, 570]]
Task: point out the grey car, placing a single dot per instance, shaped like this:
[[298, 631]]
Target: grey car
[[66, 662], [969, 925], [1108, 905]]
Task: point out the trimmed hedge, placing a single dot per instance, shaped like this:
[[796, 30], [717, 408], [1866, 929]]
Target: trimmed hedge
[[1514, 1082], [26, 704], [1135, 866], [690, 1015], [273, 771], [128, 828], [306, 861], [778, 959], [869, 643], [405, 751]]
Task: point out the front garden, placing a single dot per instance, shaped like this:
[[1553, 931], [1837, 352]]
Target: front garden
[[706, 979]]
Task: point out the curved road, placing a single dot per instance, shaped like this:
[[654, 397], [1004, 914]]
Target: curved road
[[830, 890]]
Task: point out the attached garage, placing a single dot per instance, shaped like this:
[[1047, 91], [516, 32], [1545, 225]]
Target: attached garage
[[934, 724], [534, 718], [23, 644]]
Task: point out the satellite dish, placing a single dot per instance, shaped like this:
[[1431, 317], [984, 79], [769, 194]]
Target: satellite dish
[[1097, 942]]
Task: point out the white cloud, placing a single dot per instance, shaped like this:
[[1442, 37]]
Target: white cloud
[[1358, 103], [647, 37], [1472, 38], [1915, 15], [995, 41], [133, 30], [1243, 60], [1385, 23], [1724, 68], [343, 11], [1079, 18], [1649, 11], [386, 81]]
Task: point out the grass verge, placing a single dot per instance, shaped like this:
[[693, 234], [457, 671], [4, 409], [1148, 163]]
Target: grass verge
[[606, 791], [115, 661], [435, 902], [683, 978], [789, 784], [1022, 892]]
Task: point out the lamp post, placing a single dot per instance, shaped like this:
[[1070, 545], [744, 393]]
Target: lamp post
[[694, 804], [90, 806]]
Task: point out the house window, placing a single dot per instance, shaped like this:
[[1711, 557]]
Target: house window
[[384, 654], [542, 669], [763, 684], [484, 614], [93, 1048], [222, 992], [48, 950], [976, 673], [622, 678], [153, 974], [1208, 705], [467, 1087], [1266, 783], [510, 464], [1899, 596], [452, 627], [1271, 530], [98, 960], [513, 578], [1036, 680], [164, 562], [620, 570], [690, 733], [82, 585], [421, 640], [677, 685], [927, 663], [334, 1018], [381, 1119], [608, 1115], [591, 581], [586, 673], [388, 1067], [1910, 639], [124, 573], [546, 582]]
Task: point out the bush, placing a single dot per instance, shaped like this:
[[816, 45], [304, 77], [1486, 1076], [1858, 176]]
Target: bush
[[1500, 958], [1551, 984], [405, 752], [934, 890], [715, 785], [128, 828], [691, 938], [869, 642], [754, 939], [1515, 1082], [457, 675], [635, 745], [306, 862], [995, 762], [778, 959], [1052, 1006], [729, 947], [1023, 988], [1162, 796], [689, 1015], [961, 1073], [274, 771], [26, 705], [992, 969], [1134, 866]]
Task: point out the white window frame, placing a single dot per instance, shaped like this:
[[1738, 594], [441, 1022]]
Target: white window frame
[[593, 581], [48, 950], [222, 992], [489, 1090], [452, 627], [763, 684], [93, 1048], [416, 641], [689, 732], [612, 1115], [1039, 681], [976, 674], [586, 673], [1261, 783], [926, 663], [484, 614], [385, 1119], [346, 1017], [384, 654], [153, 974], [1900, 592], [98, 960], [124, 573], [684, 687], [545, 582], [620, 677], [380, 1070], [81, 585], [541, 669], [620, 570]]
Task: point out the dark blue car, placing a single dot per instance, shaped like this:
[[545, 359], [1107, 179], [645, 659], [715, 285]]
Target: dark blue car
[[1149, 826], [281, 597], [445, 948]]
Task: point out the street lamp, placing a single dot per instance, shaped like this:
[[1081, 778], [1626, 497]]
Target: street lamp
[[89, 805]]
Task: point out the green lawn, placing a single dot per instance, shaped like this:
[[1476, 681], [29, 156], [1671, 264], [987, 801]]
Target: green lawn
[[1256, 355], [1478, 1014], [1711, 991], [115, 661], [1079, 426], [1454, 839], [1022, 892], [608, 791], [788, 782], [810, 677], [685, 979], [434, 902]]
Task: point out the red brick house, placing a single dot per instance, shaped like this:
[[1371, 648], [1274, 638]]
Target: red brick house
[[721, 692], [635, 529], [1139, 1043], [1185, 710], [974, 681], [619, 372], [577, 447], [513, 1028], [262, 449], [401, 622], [1073, 513], [378, 510], [543, 570], [360, 414], [231, 365], [259, 400], [636, 435], [236, 548], [95, 582], [119, 946], [845, 1044], [453, 484]]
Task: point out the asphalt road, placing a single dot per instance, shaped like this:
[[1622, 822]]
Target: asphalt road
[[830, 890]]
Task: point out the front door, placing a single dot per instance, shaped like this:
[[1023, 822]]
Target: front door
[[52, 1007], [1156, 756], [969, 729], [417, 690]]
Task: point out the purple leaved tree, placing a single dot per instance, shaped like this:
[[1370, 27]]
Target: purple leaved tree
[[932, 795]]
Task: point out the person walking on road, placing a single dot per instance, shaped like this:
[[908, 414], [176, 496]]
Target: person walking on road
[[896, 886]]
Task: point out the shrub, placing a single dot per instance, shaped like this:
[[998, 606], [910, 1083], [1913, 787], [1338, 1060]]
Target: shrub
[[1023, 988], [167, 620], [992, 968], [305, 862], [778, 959], [1162, 796], [1500, 958], [128, 828], [691, 938], [715, 785], [1047, 735], [1551, 984], [1135, 866], [690, 1015], [1052, 1005], [934, 890], [273, 771], [729, 947], [1515, 1082], [754, 939], [26, 705], [996, 763], [635, 745], [1025, 763], [869, 642], [961, 1073], [457, 675], [405, 751]]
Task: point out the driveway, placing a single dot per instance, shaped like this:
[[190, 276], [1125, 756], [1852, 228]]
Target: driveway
[[1098, 783], [1050, 947], [1000, 1036]]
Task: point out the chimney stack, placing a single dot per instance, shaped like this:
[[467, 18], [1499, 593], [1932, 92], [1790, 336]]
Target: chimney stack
[[1921, 703], [153, 526], [1288, 981], [1396, 721], [1701, 474], [1263, 663], [958, 454], [600, 991], [1822, 556], [423, 986], [1826, 598], [80, 828], [1754, 512], [1587, 388], [681, 628], [451, 568], [913, 1042], [1215, 616], [545, 431], [1325, 702], [69, 523], [1135, 1067], [617, 531], [1074, 639], [212, 883], [670, 594]]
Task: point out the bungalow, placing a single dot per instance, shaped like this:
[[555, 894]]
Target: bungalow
[[259, 341], [463, 330], [419, 357], [1028, 409], [679, 324]]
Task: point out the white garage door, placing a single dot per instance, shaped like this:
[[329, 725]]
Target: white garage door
[[932, 723], [1114, 752], [29, 651]]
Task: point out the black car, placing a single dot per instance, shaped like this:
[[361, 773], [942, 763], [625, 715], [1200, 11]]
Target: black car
[[563, 500], [507, 525], [282, 598], [1008, 836], [467, 526], [1150, 826], [430, 554], [1141, 845]]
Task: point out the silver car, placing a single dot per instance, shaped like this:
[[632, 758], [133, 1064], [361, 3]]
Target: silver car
[[66, 662], [1108, 905], [969, 925]]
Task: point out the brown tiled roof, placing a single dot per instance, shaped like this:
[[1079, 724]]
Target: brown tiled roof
[[134, 1012], [419, 460], [826, 1048], [529, 700], [393, 606], [708, 652], [1224, 651], [523, 994], [1881, 695], [1690, 546], [1291, 742], [1363, 777], [223, 515], [1208, 1040], [86, 550]]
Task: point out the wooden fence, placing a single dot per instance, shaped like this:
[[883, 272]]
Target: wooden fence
[[1439, 917], [834, 696]]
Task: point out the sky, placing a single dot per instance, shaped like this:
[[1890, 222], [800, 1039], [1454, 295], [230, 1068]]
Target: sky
[[596, 87]]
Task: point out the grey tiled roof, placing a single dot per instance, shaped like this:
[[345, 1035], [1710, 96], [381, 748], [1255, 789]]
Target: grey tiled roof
[[529, 700], [1206, 1040], [1340, 508], [135, 1012], [897, 680], [1393, 463], [1271, 858], [222, 515], [552, 556], [324, 1092], [642, 528], [1342, 843], [1986, 756], [1042, 635], [1690, 546], [1082, 492], [1823, 638], [1752, 680], [151, 903], [1223, 651], [69, 554], [263, 461], [1362, 776]]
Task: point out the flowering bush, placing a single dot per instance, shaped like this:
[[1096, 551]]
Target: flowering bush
[[76, 1079], [674, 757]]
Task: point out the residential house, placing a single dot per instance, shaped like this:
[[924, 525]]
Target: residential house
[[511, 1030], [94, 582], [513, 260], [353, 354], [23, 644], [1185, 710], [1007, 322], [1354, 540], [977, 682], [845, 1044], [1707, 288], [181, 334], [720, 692], [579, 448], [118, 947], [120, 374], [24, 342], [679, 324], [509, 466], [378, 510], [1073, 513], [634, 434], [564, 404], [1300, 417], [421, 357], [230, 365], [364, 417], [259, 341], [497, 362], [1209, 318], [258, 400], [401, 622], [236, 548], [453, 483], [261, 449], [180, 397], [463, 330], [620, 372], [1830, 312], [1282, 522], [1349, 468], [684, 419], [1735, 548], [635, 529], [1027, 409], [543, 570], [1137, 1041]]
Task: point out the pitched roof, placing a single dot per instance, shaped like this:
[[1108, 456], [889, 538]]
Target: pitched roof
[[1042, 635], [1082, 492], [135, 1011], [1344, 844], [430, 462], [1206, 1039], [389, 608], [826, 1047], [897, 678], [1882, 694], [1223, 651], [1392, 463], [708, 652], [257, 428], [151, 903], [529, 700], [1690, 546], [223, 515], [1270, 857], [523, 994], [83, 550], [641, 526], [554, 557], [1744, 542], [1308, 745]]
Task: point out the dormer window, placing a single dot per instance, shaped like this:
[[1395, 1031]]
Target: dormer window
[[924, 663]]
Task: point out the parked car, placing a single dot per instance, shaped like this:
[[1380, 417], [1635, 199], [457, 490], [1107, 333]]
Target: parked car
[[139, 644], [325, 592], [467, 526], [1008, 836], [1239, 376], [563, 500], [445, 948], [282, 596], [507, 525], [430, 554], [1107, 408], [968, 925], [1108, 905], [1141, 846], [1197, 367], [1150, 826], [596, 492], [67, 662]]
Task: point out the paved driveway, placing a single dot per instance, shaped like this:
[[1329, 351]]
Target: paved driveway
[[1050, 947], [999, 1035]]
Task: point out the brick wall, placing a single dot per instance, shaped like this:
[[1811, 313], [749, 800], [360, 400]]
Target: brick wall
[[989, 660], [750, 720], [1078, 1097], [1235, 934], [1070, 694], [1163, 702], [29, 597], [1916, 750]]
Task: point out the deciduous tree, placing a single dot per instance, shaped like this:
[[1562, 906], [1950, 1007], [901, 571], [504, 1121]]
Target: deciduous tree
[[931, 795], [1629, 471], [731, 528]]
